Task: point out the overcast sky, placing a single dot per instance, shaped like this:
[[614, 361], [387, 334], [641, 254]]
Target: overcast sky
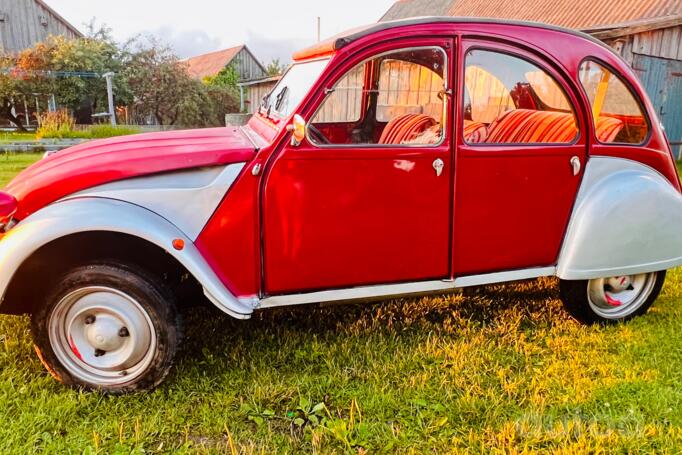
[[271, 28]]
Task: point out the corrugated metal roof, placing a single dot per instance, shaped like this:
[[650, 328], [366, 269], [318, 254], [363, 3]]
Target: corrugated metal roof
[[412, 8], [577, 14], [212, 63]]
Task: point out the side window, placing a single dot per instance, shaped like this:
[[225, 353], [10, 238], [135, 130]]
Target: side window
[[395, 98], [617, 115], [508, 100]]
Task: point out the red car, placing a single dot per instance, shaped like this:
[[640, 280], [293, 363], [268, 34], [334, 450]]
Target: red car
[[401, 158]]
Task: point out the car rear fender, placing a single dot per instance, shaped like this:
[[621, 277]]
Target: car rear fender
[[93, 214], [627, 219]]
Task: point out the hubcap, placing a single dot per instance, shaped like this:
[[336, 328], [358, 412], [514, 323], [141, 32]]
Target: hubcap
[[102, 336], [619, 296]]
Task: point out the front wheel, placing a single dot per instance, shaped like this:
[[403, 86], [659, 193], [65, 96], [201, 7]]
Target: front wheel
[[610, 300], [108, 327]]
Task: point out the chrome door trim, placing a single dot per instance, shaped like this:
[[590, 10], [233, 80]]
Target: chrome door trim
[[401, 289], [501, 277]]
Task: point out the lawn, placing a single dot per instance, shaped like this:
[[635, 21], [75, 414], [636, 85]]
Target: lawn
[[497, 369]]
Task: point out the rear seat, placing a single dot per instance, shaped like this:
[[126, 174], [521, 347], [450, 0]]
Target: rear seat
[[529, 126]]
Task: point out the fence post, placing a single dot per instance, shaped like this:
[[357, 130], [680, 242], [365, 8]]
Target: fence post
[[110, 95]]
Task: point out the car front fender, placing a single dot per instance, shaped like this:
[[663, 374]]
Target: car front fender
[[91, 214], [627, 219]]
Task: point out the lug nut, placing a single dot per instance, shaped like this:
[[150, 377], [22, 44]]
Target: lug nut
[[89, 319], [99, 353], [123, 333]]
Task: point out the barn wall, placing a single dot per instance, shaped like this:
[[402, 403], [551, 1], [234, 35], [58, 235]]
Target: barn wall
[[656, 57], [256, 93], [664, 43], [248, 67], [27, 22]]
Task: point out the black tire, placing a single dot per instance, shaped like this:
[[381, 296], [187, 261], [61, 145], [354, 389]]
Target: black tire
[[574, 295], [155, 318]]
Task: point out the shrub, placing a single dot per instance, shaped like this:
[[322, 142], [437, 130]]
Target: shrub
[[58, 124], [103, 131]]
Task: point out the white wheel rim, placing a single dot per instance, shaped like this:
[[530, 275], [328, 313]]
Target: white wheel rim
[[102, 336], [619, 296]]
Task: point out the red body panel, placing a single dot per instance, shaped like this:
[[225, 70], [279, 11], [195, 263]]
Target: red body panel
[[336, 218], [512, 207], [98, 162], [230, 242]]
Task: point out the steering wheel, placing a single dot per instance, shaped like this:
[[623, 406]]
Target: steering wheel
[[317, 135]]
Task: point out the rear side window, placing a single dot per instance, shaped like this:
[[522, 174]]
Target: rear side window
[[618, 117], [508, 100]]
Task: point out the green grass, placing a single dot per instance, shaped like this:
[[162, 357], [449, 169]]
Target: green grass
[[16, 137], [91, 132], [499, 369]]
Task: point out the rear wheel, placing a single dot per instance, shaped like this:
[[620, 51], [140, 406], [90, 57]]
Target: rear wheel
[[614, 299], [108, 327]]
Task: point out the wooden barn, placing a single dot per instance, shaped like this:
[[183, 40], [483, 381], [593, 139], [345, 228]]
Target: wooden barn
[[246, 64], [24, 23], [646, 33], [252, 75]]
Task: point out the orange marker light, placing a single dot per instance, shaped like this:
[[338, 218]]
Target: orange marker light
[[178, 244]]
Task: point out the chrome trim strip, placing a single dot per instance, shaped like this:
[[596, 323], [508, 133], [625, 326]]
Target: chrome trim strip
[[402, 289], [356, 293], [501, 277]]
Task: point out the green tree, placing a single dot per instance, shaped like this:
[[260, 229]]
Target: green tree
[[274, 68], [160, 84]]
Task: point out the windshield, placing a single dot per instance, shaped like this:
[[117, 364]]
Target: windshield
[[294, 85]]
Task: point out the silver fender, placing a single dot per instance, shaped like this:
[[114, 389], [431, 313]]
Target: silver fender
[[99, 214], [627, 219]]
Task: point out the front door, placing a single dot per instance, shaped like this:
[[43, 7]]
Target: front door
[[366, 197], [520, 158]]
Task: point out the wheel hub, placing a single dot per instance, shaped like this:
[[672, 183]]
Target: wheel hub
[[619, 296], [102, 335]]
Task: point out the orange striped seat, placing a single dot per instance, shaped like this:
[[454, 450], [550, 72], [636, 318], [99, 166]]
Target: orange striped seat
[[406, 128], [524, 126], [475, 132], [607, 128]]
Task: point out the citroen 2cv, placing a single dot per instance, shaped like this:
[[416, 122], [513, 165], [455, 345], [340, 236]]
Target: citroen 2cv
[[409, 157]]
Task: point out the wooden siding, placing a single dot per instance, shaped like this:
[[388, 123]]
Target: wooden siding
[[256, 92], [663, 43], [247, 66], [27, 22]]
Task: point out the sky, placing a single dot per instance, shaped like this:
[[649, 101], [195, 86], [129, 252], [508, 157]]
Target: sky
[[271, 28]]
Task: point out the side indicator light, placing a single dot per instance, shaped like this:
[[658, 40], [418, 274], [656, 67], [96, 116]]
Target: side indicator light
[[178, 244]]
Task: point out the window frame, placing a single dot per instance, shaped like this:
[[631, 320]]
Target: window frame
[[631, 89], [446, 88], [476, 46]]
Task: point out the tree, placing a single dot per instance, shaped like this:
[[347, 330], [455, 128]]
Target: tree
[[70, 69], [9, 89], [160, 84], [274, 68]]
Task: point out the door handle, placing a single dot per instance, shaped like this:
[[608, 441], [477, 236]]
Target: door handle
[[438, 166], [575, 163]]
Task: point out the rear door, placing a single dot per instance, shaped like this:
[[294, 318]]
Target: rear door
[[520, 158]]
